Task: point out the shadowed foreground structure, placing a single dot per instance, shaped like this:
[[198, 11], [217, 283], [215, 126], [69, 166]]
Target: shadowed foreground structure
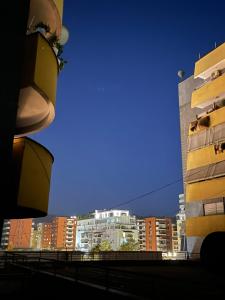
[[121, 279]]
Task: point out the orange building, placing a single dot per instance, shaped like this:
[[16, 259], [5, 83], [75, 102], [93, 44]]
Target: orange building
[[58, 232], [158, 234], [20, 232], [63, 233]]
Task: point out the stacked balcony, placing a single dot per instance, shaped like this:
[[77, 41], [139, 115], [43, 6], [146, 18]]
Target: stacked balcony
[[36, 105], [205, 176], [32, 162]]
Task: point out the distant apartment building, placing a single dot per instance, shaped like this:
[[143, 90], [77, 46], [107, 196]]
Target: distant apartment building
[[159, 234], [204, 168], [115, 226], [64, 233], [17, 234], [181, 224], [46, 241], [175, 245], [5, 234], [57, 234], [37, 236], [141, 234]]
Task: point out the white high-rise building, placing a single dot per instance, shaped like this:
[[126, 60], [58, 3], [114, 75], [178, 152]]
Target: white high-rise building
[[114, 226]]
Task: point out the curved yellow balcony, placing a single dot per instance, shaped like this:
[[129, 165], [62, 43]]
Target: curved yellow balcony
[[32, 165], [213, 61], [209, 93], [204, 225], [36, 105], [48, 12]]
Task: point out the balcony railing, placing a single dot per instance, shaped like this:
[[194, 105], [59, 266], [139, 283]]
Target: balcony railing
[[209, 93], [203, 190], [213, 61], [47, 12], [216, 117], [204, 156]]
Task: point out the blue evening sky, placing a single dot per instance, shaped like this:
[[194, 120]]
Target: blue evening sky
[[116, 133]]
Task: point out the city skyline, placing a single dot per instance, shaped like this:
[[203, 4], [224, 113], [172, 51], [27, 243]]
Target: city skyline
[[105, 230], [117, 133]]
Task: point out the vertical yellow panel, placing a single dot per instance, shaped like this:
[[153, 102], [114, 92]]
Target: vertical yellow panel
[[59, 4], [35, 177], [46, 69]]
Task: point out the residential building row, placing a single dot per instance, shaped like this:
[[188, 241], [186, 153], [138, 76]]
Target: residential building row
[[109, 229]]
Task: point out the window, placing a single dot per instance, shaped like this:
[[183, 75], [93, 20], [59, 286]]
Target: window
[[214, 208]]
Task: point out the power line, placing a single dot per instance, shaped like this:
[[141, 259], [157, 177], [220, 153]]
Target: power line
[[147, 194], [156, 190]]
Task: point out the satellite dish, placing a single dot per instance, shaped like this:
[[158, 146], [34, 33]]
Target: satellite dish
[[64, 35], [180, 74]]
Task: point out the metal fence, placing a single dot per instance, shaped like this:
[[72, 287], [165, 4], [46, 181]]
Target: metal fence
[[81, 256]]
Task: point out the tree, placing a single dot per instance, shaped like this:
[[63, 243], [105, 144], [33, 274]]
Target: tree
[[103, 246], [129, 245], [96, 248]]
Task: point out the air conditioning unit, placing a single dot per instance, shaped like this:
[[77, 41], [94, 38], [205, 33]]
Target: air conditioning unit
[[215, 74]]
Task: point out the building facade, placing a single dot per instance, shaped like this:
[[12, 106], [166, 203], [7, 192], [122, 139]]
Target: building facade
[[141, 234], [114, 226], [175, 244], [36, 237], [17, 234], [181, 217], [159, 234], [5, 234], [205, 159], [57, 234], [46, 240]]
